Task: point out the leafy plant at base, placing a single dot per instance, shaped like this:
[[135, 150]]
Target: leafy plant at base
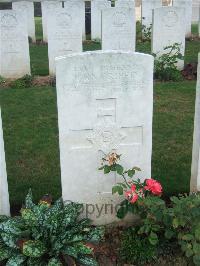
[[47, 234], [146, 32], [166, 64], [178, 223], [136, 249], [22, 83]]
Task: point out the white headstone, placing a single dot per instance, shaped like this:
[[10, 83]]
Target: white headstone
[[79, 9], [118, 29], [28, 9], [199, 22], [147, 8], [4, 196], [48, 9], [125, 3], [195, 172], [14, 46], [195, 11], [167, 30], [96, 7], [105, 103], [187, 5], [64, 35]]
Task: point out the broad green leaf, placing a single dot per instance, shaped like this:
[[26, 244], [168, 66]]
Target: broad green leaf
[[119, 169], [175, 223], [169, 234], [196, 248], [197, 234], [54, 262], [16, 260], [131, 172], [117, 189], [33, 249], [153, 238], [4, 253], [88, 261], [122, 212], [106, 169], [187, 237], [196, 260], [9, 240]]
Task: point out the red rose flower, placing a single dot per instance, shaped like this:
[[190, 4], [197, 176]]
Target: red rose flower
[[131, 194], [153, 186]]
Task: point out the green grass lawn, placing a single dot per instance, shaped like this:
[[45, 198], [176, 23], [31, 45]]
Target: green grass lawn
[[39, 53], [31, 132], [31, 138]]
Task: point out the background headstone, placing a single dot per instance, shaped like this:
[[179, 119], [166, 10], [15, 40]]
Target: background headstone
[[147, 8], [168, 29], [195, 171], [28, 9], [105, 103], [125, 3], [14, 46], [187, 5], [4, 196], [118, 29], [79, 10], [195, 11], [48, 9], [64, 35], [96, 7]]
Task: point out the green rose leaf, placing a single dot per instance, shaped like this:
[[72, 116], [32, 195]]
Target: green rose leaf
[[107, 169], [117, 189], [119, 169]]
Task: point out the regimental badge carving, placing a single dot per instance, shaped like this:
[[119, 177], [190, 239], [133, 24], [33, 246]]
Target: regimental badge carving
[[170, 19]]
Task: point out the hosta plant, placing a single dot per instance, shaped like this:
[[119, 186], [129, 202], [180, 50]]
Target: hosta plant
[[48, 234]]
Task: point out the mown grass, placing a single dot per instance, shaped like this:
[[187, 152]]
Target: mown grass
[[31, 138], [31, 131], [39, 53]]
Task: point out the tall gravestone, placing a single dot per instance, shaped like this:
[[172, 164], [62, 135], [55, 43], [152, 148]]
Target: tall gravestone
[[147, 8], [79, 10], [118, 29], [105, 103], [28, 9], [96, 7], [195, 171], [14, 46], [64, 35], [187, 5], [4, 196], [168, 29], [48, 9]]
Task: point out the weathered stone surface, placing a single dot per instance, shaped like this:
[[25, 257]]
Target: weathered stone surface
[[195, 172], [96, 7], [28, 9], [105, 103], [168, 29], [64, 35], [118, 29], [48, 9], [187, 5], [14, 46], [147, 8], [4, 196], [79, 10]]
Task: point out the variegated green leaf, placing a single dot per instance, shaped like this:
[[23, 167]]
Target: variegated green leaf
[[9, 240], [54, 262], [88, 261], [16, 260], [34, 249]]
